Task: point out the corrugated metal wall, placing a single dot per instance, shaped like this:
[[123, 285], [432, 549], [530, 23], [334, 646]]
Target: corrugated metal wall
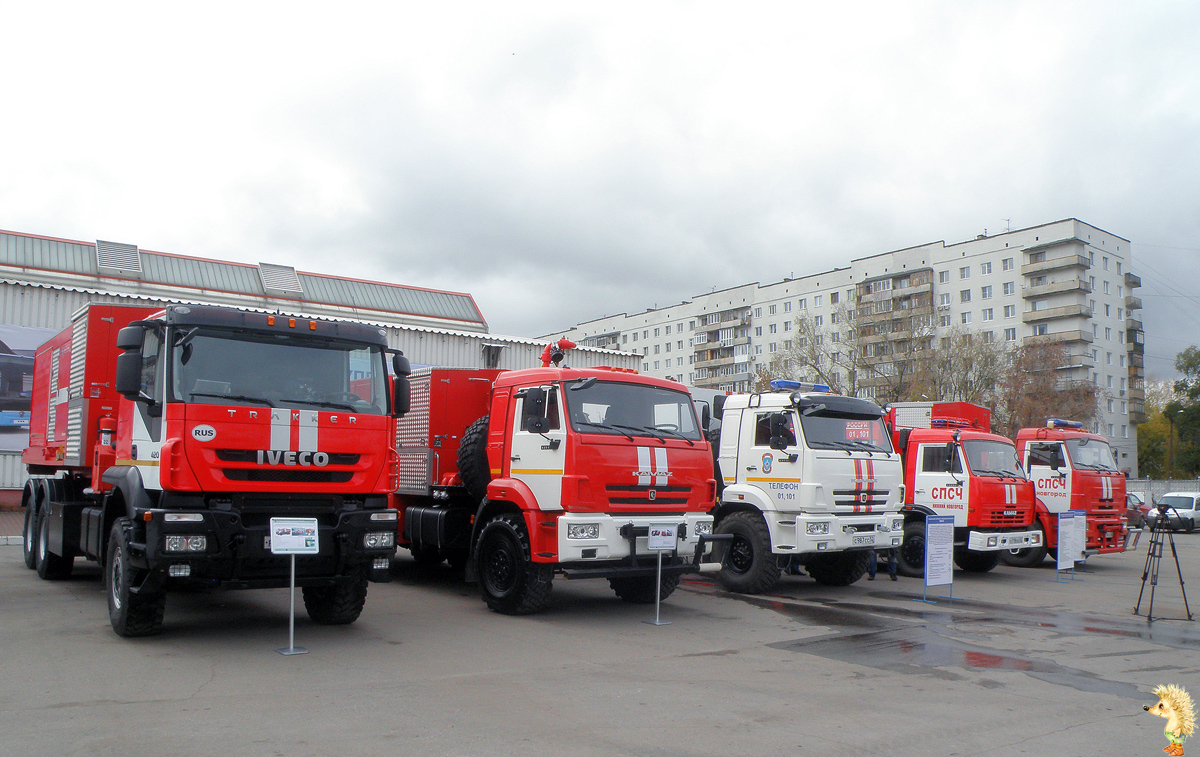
[[12, 471]]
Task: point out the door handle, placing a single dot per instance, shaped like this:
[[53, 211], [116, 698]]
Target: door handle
[[515, 457], [918, 491], [751, 467]]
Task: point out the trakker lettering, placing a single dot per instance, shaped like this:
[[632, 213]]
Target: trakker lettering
[[290, 457]]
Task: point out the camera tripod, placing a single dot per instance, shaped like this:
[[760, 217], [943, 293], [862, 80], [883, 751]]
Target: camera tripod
[[1153, 558]]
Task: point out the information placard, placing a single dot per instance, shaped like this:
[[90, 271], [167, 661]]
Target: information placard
[[662, 536], [294, 536], [939, 550], [1079, 535], [1065, 558]]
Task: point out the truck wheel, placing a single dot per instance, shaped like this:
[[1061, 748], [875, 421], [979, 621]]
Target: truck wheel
[[838, 569], [976, 562], [336, 605], [29, 537], [473, 466], [1030, 557], [910, 558], [131, 614], [639, 590], [512, 584], [748, 567], [50, 567]]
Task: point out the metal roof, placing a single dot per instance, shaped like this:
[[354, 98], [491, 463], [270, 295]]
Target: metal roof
[[77, 264]]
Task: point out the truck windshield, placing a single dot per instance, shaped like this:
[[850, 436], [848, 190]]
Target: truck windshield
[[217, 367], [612, 407], [988, 458], [823, 428], [1090, 454]]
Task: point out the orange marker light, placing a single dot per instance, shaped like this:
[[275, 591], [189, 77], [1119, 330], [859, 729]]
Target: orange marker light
[[270, 320], [147, 516], [292, 323], [312, 325]]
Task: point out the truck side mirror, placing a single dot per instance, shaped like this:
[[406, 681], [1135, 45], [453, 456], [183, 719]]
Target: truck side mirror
[[128, 380], [533, 412], [705, 417], [401, 386], [781, 435]]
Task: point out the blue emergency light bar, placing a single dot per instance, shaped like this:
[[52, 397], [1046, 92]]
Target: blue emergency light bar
[[1060, 423], [787, 385], [949, 423]]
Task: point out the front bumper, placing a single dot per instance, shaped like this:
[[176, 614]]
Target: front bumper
[[612, 541], [994, 541], [791, 532]]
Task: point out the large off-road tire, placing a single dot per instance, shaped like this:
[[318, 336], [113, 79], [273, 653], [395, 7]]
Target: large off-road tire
[[336, 605], [131, 614], [839, 568], [976, 562], [1030, 557], [473, 466], [511, 583], [749, 566], [29, 529], [50, 567], [639, 590], [910, 557]]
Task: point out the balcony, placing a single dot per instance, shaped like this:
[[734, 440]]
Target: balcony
[[1132, 280], [1059, 337], [1058, 287], [1136, 360], [1067, 311], [1137, 394], [1133, 323], [1133, 303], [718, 362], [1077, 361], [1056, 264]]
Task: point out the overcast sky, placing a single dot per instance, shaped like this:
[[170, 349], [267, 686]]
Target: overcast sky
[[561, 163]]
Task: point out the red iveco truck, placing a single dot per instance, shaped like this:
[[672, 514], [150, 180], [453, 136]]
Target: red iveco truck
[[163, 442], [954, 465], [1073, 469], [521, 475]]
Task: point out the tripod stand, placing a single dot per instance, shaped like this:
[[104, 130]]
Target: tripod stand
[[1153, 558]]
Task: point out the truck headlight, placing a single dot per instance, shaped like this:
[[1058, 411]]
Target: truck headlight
[[703, 527], [583, 530], [377, 539], [817, 529], [184, 543], [993, 541], [898, 524]]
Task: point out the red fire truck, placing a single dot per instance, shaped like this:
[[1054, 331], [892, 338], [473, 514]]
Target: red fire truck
[[1073, 470], [522, 475], [954, 465], [163, 442]]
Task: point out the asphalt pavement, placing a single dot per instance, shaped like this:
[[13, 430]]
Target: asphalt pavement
[[1018, 664]]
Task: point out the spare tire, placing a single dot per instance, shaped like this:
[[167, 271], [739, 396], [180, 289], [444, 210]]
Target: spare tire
[[473, 466]]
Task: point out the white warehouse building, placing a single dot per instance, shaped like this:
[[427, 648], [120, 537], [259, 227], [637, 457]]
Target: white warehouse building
[[1066, 282]]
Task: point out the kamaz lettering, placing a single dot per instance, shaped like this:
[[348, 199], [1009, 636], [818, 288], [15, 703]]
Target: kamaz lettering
[[288, 457]]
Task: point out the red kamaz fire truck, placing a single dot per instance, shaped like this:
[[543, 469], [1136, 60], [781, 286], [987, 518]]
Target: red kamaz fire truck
[[163, 442], [1073, 470], [521, 475], [954, 465]]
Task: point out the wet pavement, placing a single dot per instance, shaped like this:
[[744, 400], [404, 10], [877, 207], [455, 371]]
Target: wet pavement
[[1018, 664]]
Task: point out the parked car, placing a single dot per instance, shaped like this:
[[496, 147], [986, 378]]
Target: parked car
[[1136, 510], [1180, 510]]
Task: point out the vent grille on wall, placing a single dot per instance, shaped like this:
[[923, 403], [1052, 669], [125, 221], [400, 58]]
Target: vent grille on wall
[[118, 257], [279, 279]]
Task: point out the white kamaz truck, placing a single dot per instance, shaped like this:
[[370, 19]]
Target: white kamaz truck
[[807, 479]]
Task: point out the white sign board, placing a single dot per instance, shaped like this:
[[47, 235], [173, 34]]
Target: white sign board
[[294, 536], [1079, 544], [661, 536], [1072, 538], [939, 550]]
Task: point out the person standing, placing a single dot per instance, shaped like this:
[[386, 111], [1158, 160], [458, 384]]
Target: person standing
[[873, 564]]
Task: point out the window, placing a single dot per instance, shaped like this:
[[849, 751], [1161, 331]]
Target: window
[[1037, 257], [1007, 264], [944, 321], [656, 349], [1108, 382], [668, 328], [635, 335], [771, 310], [787, 306], [944, 298], [656, 365], [943, 277], [1010, 335], [773, 328], [985, 268], [964, 295], [787, 325], [624, 338], [817, 300], [1010, 311], [964, 272], [1040, 329], [1105, 262], [819, 321], [988, 337], [1092, 282], [985, 293], [1108, 333], [668, 346], [833, 298], [1118, 268], [936, 459], [966, 317], [758, 330], [758, 312], [1106, 288], [802, 303], [1010, 287], [987, 314]]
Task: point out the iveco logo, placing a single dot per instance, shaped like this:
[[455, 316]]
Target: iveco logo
[[653, 495], [280, 457]]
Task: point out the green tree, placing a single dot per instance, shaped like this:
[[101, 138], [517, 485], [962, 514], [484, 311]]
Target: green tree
[[1183, 413]]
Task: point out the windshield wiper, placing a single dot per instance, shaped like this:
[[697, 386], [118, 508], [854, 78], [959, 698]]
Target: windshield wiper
[[318, 403], [999, 473], [869, 447], [642, 431], [240, 397], [626, 434], [672, 432]]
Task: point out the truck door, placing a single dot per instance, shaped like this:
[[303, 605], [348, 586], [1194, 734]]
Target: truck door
[[146, 435], [940, 483], [776, 472], [1047, 466], [538, 447]]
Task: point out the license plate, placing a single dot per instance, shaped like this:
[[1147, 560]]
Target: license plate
[[864, 539]]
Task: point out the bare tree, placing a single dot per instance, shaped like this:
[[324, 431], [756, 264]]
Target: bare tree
[[819, 350], [963, 367], [1032, 391]]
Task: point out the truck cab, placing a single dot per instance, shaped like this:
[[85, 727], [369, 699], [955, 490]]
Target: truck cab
[[808, 479], [1072, 469], [954, 465]]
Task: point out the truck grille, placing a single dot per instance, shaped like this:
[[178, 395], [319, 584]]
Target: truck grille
[[998, 518], [632, 494], [288, 476], [251, 456], [860, 497]]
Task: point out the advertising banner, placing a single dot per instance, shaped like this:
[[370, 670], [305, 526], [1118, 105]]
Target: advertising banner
[[939, 550]]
